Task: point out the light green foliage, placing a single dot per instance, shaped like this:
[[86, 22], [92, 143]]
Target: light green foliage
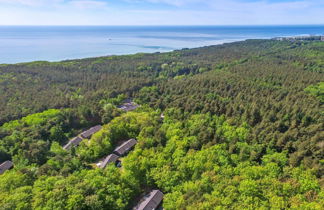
[[93, 189], [279, 158], [209, 178], [15, 190], [173, 156], [28, 139], [32, 120], [147, 94], [124, 127], [317, 91]]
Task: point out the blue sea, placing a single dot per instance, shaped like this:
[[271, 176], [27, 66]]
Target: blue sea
[[54, 43]]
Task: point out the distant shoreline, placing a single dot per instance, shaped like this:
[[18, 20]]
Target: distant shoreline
[[130, 54], [106, 56], [22, 44]]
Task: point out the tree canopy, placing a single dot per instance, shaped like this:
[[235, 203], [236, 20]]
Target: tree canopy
[[233, 126]]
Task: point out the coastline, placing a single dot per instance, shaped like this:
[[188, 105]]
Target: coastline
[[23, 44], [125, 54]]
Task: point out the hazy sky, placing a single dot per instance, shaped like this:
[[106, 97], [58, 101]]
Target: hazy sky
[[161, 12]]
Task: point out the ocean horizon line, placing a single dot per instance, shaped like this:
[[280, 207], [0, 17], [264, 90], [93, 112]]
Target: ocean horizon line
[[57, 43]]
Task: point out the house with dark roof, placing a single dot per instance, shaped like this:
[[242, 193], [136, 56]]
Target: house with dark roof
[[125, 147], [88, 133], [128, 105], [5, 166], [73, 143], [150, 201], [112, 158]]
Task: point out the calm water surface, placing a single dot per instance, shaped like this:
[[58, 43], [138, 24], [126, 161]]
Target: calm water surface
[[54, 43]]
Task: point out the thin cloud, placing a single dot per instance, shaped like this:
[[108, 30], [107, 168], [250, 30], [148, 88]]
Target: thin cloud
[[88, 4], [33, 3], [179, 12], [39, 3]]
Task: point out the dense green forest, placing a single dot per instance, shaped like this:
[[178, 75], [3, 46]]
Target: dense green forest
[[242, 129]]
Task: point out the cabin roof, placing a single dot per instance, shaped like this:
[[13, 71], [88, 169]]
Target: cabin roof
[[152, 201], [112, 158], [5, 166], [73, 142], [128, 100], [128, 105], [88, 133], [125, 147]]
